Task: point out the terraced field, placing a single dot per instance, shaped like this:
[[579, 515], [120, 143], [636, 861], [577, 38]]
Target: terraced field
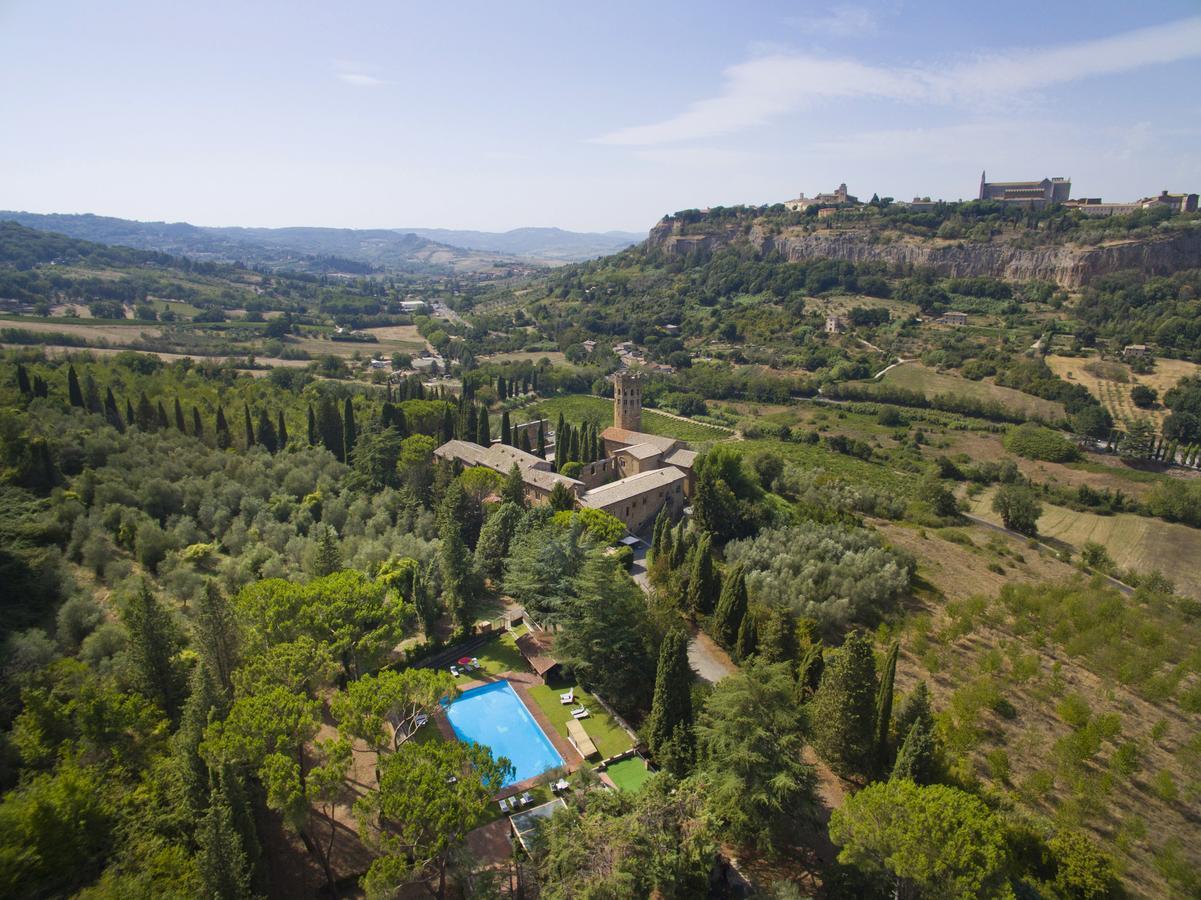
[[916, 377], [1134, 542], [1114, 394]]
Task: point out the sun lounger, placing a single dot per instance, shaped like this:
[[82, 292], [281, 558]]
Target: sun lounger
[[568, 698], [504, 806], [422, 719], [581, 713], [454, 671], [560, 785], [527, 798]]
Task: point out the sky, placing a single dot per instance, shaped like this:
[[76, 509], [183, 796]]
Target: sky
[[587, 116]]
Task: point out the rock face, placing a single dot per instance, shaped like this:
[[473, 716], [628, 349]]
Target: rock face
[[1069, 267]]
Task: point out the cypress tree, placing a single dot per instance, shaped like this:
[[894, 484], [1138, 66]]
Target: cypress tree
[[560, 447], [680, 545], [111, 412], [514, 489], [329, 428], [221, 859], [501, 391], [312, 427], [525, 441], [41, 387], [917, 758], [573, 448], [328, 558], [731, 607], [810, 668], [748, 637], [147, 418], [671, 708], [217, 638], [74, 394], [884, 707], [448, 424], [665, 542], [542, 438], [424, 600], [91, 394], [267, 432], [154, 641], [483, 430], [222, 429], [281, 430], [23, 384], [778, 635], [180, 424], [161, 412], [703, 585], [130, 418], [249, 426], [661, 523], [402, 424], [506, 432], [844, 708], [350, 433]]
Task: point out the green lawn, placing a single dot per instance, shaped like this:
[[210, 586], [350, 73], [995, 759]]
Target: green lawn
[[579, 407], [629, 774], [609, 737], [497, 656]]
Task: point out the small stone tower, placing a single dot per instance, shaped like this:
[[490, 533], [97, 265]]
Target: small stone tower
[[627, 400]]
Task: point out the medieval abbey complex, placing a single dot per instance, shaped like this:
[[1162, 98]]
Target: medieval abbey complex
[[639, 475]]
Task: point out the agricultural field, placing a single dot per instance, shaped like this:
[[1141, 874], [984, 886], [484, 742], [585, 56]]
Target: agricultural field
[[88, 329], [841, 304], [556, 357], [916, 377], [1141, 543], [581, 407], [1111, 382]]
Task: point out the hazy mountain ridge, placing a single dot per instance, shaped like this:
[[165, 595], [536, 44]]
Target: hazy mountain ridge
[[538, 243]]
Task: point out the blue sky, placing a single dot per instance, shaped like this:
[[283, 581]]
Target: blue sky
[[588, 116]]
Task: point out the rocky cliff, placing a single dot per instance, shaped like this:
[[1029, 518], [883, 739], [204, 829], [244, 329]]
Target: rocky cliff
[[1068, 266]]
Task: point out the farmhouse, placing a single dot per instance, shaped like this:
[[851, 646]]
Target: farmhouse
[[952, 318], [835, 324]]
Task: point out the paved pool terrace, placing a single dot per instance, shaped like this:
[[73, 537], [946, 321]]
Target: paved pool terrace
[[519, 682]]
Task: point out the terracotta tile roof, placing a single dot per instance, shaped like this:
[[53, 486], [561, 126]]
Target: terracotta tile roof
[[630, 438]]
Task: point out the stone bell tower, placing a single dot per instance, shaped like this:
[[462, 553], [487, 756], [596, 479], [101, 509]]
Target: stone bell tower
[[627, 400]]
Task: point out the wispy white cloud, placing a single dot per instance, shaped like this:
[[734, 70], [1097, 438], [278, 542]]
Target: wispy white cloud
[[768, 87], [359, 79], [840, 21]]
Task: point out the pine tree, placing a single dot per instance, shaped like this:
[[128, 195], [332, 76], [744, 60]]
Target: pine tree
[[221, 859], [561, 499], [154, 641], [884, 707], [542, 438], [672, 704], [222, 429], [748, 637], [843, 711], [180, 424], [514, 489], [703, 585], [506, 432], [731, 607], [281, 430], [267, 432], [23, 384], [328, 558], [249, 426], [74, 394], [312, 427]]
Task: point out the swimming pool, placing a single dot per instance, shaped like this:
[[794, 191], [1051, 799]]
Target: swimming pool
[[494, 715]]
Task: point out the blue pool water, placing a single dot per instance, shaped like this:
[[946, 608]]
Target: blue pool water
[[494, 715]]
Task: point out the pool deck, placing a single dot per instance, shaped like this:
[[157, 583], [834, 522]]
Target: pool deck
[[521, 682]]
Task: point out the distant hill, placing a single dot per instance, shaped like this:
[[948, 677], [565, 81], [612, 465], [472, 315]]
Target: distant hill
[[537, 243], [316, 250]]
